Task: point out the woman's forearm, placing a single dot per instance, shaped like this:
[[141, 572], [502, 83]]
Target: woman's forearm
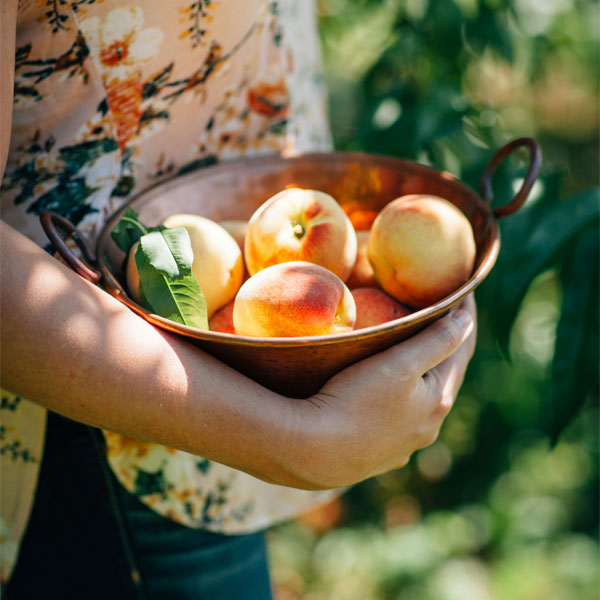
[[71, 347]]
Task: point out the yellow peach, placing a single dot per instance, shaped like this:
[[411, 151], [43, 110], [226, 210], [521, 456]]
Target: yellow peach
[[131, 274], [237, 228], [421, 249], [294, 298], [218, 264], [301, 225]]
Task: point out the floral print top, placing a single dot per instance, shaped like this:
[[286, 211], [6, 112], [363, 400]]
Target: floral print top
[[110, 97]]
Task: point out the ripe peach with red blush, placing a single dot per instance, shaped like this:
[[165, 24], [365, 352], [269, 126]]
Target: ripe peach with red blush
[[362, 274], [362, 220], [373, 307], [222, 320], [301, 225], [293, 298]]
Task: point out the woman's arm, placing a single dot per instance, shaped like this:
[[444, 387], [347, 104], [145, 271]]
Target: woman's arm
[[71, 347], [8, 28]]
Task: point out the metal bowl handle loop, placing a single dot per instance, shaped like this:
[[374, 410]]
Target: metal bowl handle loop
[[535, 162], [50, 221]]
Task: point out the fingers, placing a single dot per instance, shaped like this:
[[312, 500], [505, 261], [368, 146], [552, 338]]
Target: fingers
[[468, 304], [433, 345], [444, 380]]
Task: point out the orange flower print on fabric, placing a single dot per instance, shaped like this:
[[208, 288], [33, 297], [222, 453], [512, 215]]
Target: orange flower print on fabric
[[115, 53], [121, 47], [117, 444], [269, 99], [125, 102]]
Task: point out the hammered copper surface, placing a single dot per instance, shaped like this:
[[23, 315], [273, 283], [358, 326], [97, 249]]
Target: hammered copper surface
[[298, 367]]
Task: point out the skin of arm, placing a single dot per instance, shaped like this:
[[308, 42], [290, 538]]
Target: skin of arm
[[74, 349], [8, 19]]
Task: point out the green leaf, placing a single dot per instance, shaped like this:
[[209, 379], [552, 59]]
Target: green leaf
[[575, 364], [167, 285], [169, 251], [489, 30], [128, 230], [535, 252]]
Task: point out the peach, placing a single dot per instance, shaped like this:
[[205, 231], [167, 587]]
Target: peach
[[362, 220], [362, 274], [222, 320], [294, 298], [218, 264], [131, 274], [237, 228], [421, 249], [373, 307], [301, 225]]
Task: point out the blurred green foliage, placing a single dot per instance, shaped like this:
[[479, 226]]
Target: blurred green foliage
[[504, 506]]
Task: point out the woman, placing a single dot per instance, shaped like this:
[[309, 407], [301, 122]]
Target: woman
[[108, 98]]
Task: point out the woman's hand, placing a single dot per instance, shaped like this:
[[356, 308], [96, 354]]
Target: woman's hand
[[373, 415]]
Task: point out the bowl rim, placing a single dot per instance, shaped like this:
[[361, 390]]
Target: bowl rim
[[423, 315]]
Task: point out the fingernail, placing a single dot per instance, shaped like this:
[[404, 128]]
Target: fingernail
[[462, 317]]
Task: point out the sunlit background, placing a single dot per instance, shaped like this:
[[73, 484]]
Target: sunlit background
[[504, 506]]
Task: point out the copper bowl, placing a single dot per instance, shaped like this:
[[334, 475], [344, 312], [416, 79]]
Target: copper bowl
[[298, 367]]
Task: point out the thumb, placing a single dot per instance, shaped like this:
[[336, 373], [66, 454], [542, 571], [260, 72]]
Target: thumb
[[438, 341]]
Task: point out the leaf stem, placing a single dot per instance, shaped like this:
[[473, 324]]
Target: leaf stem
[[136, 223]]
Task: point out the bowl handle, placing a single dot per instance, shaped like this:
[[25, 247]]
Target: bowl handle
[[49, 221], [535, 161]]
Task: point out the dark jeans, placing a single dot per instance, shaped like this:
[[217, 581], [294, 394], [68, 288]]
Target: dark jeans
[[88, 538]]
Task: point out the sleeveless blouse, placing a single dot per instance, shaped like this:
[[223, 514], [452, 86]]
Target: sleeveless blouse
[[110, 97]]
